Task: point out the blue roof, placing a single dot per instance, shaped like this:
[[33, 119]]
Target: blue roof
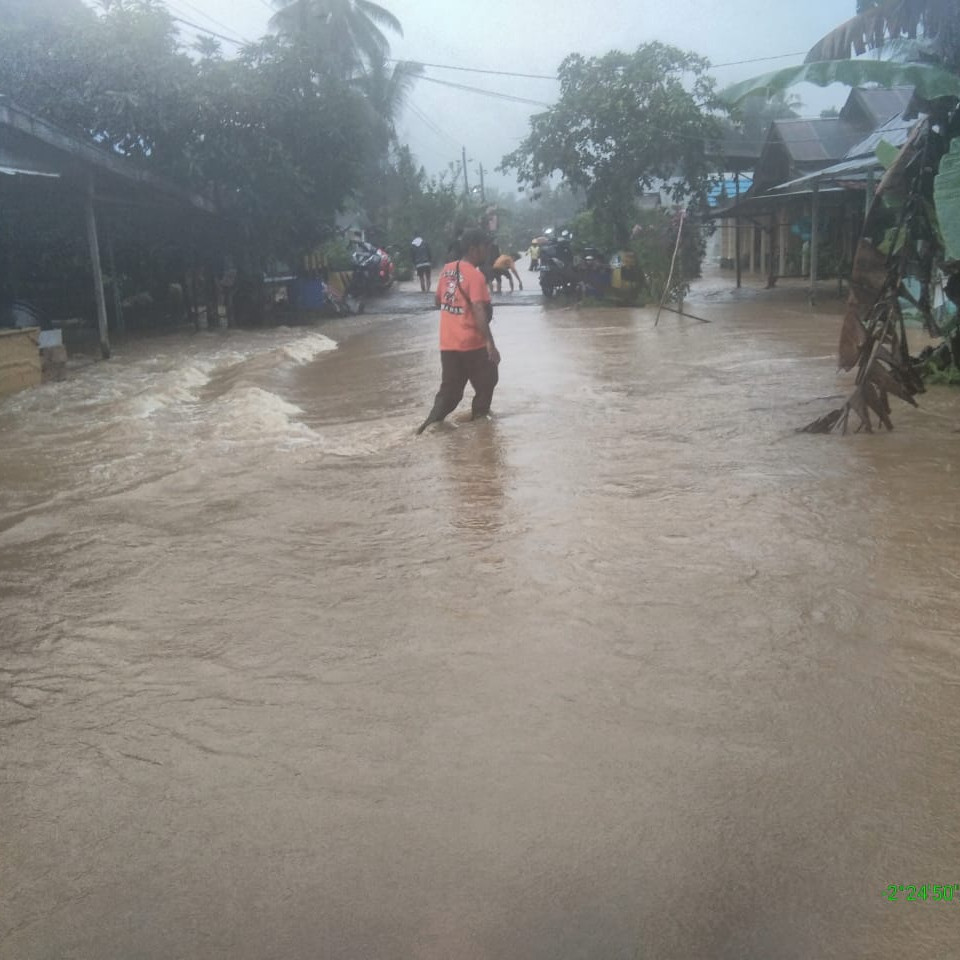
[[726, 189]]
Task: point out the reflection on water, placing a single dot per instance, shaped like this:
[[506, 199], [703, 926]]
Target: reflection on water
[[631, 669], [475, 476]]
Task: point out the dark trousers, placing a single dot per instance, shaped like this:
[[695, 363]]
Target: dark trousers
[[459, 366]]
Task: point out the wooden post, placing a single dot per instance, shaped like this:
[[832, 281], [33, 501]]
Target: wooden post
[[782, 242], [97, 273], [736, 228], [814, 230], [115, 283]]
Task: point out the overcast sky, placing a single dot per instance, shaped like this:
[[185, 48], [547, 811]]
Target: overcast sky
[[534, 37]]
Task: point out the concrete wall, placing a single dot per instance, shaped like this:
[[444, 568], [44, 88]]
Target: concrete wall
[[19, 360]]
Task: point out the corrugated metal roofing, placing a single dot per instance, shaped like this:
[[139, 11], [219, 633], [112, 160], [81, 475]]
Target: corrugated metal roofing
[[815, 141], [895, 131], [878, 104], [853, 169]]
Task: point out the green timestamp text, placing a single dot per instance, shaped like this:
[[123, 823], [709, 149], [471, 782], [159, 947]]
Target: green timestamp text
[[939, 892]]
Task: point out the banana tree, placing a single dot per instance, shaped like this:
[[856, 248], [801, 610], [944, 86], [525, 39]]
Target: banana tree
[[912, 228]]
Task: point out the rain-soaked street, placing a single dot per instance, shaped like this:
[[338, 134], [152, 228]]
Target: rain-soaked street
[[631, 670]]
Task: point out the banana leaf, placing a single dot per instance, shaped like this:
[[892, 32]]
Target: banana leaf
[[946, 197], [929, 82], [887, 154]]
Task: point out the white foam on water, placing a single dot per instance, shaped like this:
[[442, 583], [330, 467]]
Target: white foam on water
[[174, 387], [251, 414], [364, 439], [308, 348]]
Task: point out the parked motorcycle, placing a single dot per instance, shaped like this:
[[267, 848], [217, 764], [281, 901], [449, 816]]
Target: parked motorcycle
[[558, 269], [372, 270]]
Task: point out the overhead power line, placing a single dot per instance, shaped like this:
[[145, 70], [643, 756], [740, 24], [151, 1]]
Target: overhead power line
[[206, 16], [212, 33], [495, 73], [430, 124], [553, 76], [487, 93]]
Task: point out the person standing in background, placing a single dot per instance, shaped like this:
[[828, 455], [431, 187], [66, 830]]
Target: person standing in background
[[422, 261], [534, 252]]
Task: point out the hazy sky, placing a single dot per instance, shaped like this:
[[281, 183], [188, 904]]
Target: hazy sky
[[533, 37]]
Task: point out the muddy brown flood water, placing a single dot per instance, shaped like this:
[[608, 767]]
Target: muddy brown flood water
[[630, 671]]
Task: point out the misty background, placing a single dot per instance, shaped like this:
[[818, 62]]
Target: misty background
[[741, 38]]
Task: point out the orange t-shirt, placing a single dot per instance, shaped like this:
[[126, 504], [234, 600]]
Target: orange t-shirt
[[458, 326]]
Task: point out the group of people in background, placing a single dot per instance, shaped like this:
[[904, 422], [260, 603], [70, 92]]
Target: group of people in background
[[496, 267]]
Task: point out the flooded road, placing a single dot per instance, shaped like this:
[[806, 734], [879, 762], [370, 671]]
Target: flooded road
[[630, 671]]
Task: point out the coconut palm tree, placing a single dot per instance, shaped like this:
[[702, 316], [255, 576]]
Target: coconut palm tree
[[342, 34], [385, 90]]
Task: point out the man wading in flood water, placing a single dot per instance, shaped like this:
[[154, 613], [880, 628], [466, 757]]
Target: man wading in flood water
[[467, 350]]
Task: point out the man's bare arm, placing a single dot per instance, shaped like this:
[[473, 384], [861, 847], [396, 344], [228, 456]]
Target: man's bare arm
[[483, 316]]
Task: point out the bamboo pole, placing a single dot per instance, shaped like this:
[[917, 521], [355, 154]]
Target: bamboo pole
[[673, 260], [97, 271]]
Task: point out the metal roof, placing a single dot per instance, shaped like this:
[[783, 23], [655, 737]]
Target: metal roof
[[855, 169], [815, 141], [33, 147], [878, 105], [860, 159], [895, 131]]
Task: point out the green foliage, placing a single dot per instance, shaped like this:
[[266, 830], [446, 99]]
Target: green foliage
[[591, 230], [527, 214], [886, 153], [340, 35], [751, 118], [335, 254], [930, 27], [946, 195], [279, 139], [623, 122], [946, 376], [653, 240], [929, 81], [421, 206]]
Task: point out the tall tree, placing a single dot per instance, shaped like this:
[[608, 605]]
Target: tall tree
[[342, 33], [754, 115], [384, 90], [625, 122]]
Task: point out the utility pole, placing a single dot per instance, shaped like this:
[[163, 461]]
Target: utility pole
[[466, 186], [483, 196]]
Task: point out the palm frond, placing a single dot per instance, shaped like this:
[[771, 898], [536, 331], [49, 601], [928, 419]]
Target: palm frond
[[379, 15]]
